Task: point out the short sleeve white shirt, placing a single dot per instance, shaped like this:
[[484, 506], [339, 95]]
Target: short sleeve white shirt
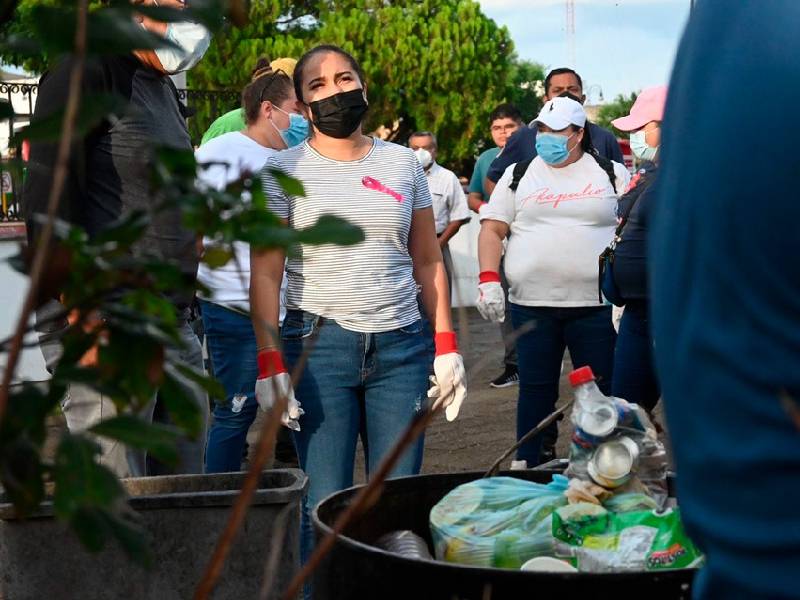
[[447, 196], [560, 220], [222, 160]]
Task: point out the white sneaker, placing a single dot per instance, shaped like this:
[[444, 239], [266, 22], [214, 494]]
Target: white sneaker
[[519, 465]]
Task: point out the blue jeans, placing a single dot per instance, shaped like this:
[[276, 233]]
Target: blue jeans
[[634, 373], [232, 349], [589, 335], [353, 383]]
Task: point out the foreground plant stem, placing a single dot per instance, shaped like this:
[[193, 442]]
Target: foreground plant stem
[[59, 176], [264, 449], [366, 497], [492, 471]]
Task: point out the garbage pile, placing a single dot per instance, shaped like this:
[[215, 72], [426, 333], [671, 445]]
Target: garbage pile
[[610, 512]]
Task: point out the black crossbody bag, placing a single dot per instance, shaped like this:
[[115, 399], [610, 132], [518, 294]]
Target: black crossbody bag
[[606, 285]]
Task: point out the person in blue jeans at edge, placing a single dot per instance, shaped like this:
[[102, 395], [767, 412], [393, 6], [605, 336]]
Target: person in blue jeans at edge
[[273, 123], [352, 309], [634, 372], [560, 216], [725, 290]]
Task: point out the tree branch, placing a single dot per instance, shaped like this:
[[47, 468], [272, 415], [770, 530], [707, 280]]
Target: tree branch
[[266, 445]]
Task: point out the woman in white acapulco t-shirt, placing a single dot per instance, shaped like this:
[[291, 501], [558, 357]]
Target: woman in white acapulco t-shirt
[[558, 221], [272, 123], [352, 309]]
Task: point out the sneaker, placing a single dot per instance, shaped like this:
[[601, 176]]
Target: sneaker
[[509, 377]]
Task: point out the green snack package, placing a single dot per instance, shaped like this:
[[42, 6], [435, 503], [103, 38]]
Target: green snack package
[[642, 540]]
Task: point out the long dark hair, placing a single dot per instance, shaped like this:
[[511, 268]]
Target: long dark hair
[[323, 49], [265, 84]]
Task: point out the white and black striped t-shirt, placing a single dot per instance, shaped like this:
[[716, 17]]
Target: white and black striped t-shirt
[[368, 287]]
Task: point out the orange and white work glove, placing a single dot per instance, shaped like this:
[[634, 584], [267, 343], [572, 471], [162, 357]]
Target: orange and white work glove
[[274, 381], [449, 382], [491, 300]]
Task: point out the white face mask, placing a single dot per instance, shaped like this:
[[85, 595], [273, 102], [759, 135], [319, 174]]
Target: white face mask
[[424, 157], [192, 40]]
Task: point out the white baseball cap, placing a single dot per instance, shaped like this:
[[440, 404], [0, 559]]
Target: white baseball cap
[[559, 113]]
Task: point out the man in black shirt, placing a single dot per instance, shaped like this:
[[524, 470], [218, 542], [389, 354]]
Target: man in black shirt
[[522, 144], [108, 177]]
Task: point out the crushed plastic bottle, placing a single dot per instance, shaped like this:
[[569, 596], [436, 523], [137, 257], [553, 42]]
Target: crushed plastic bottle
[[595, 414]]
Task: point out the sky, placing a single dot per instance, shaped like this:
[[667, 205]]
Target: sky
[[621, 46]]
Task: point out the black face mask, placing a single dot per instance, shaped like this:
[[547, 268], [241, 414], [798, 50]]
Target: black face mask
[[339, 115]]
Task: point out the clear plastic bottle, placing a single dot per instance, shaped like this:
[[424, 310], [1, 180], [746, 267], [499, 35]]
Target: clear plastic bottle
[[595, 414]]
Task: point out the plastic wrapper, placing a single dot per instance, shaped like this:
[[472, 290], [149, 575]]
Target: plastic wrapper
[[602, 541], [497, 522]]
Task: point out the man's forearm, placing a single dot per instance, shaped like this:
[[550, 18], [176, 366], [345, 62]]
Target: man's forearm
[[488, 186], [475, 200], [449, 231]]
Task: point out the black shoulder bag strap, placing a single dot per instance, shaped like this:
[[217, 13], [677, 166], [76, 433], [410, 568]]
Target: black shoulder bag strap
[[519, 173], [608, 254]]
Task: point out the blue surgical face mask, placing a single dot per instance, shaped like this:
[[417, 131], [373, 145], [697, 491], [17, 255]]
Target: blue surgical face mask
[[296, 133], [640, 147], [552, 147]]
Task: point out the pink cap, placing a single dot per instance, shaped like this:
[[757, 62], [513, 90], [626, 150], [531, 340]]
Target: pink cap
[[649, 106]]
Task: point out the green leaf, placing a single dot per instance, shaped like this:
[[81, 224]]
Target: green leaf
[[290, 185], [217, 256], [125, 231], [212, 387], [178, 162], [92, 500], [21, 474], [180, 402], [28, 407], [207, 12], [93, 109], [158, 440], [134, 539], [330, 229], [95, 525], [90, 527], [80, 481]]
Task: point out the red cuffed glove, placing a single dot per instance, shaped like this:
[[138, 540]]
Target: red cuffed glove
[[274, 381], [491, 302], [449, 381]]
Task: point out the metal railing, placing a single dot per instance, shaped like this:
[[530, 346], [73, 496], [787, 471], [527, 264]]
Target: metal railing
[[204, 106]]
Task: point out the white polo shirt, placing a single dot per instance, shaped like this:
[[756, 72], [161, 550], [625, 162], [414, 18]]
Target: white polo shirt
[[447, 196]]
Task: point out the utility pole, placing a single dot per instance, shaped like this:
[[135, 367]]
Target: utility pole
[[571, 33]]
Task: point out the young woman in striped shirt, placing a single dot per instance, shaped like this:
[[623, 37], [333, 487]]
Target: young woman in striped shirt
[[352, 308]]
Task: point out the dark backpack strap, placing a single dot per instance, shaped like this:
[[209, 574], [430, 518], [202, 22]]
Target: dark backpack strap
[[519, 173], [607, 166]]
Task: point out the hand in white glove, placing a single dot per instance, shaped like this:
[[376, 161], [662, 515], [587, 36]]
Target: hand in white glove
[[491, 300], [450, 380], [273, 381]]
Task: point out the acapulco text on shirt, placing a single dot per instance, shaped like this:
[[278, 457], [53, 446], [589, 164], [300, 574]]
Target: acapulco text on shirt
[[544, 196]]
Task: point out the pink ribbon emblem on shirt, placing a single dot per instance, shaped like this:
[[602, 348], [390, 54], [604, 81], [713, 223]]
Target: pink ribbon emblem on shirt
[[373, 184]]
